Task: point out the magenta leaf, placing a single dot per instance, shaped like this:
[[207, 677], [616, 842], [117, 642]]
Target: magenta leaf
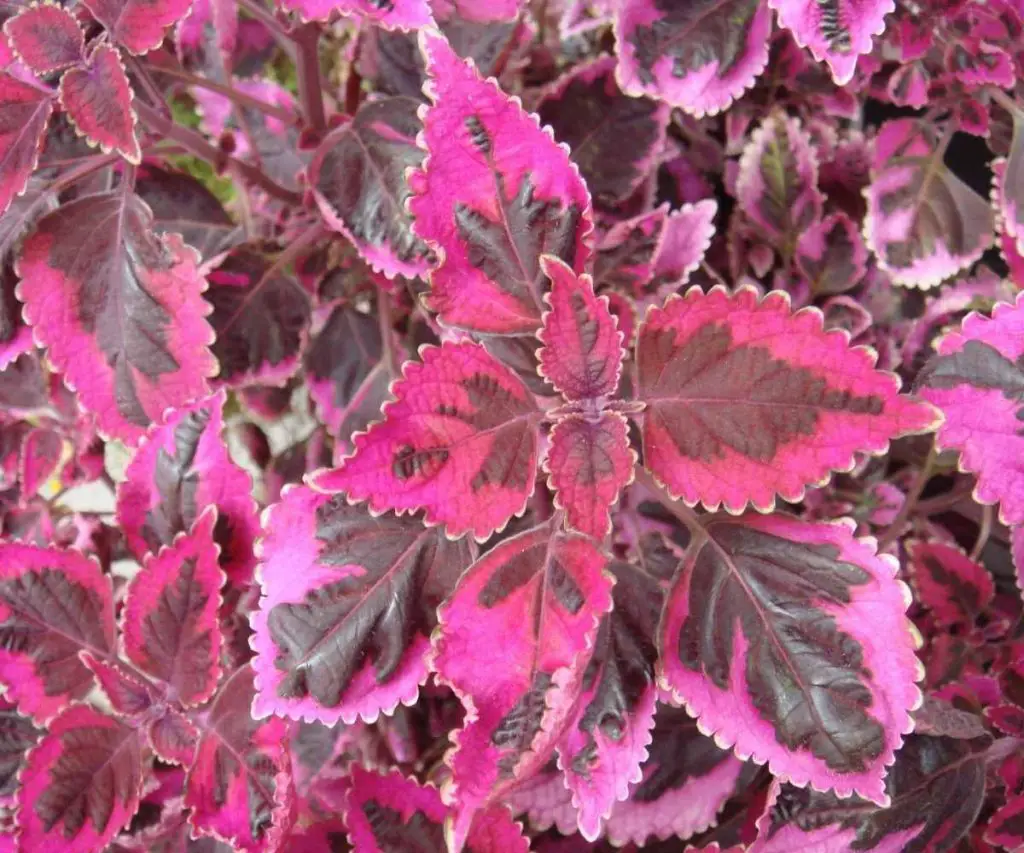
[[582, 352], [835, 31], [699, 56], [347, 607], [777, 185], [1008, 186], [46, 38], [977, 381], [389, 813], [832, 255], [790, 643], [40, 455], [588, 464], [182, 467], [1006, 826], [625, 259], [494, 194], [513, 643], [169, 623], [239, 784], [24, 113], [924, 224], [934, 793], [53, 604], [477, 10], [393, 15], [260, 316], [138, 25], [118, 309], [174, 737], [955, 588], [460, 441], [613, 138], [128, 695], [747, 400], [97, 98], [81, 783], [359, 179], [606, 740], [684, 242]]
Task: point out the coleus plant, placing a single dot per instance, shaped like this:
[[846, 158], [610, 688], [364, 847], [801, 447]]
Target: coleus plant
[[504, 426]]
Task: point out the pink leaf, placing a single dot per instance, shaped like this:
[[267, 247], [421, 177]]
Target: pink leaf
[[174, 737], [494, 194], [388, 812], [182, 467], [777, 185], [607, 737], [582, 352], [169, 624], [955, 588], [683, 244], [53, 604], [118, 309], [589, 463], [1008, 186], [359, 180], [460, 441], [780, 634], [1006, 826], [138, 25], [477, 10], [975, 64], [239, 785], [613, 138], [46, 38], [128, 695], [24, 113], [625, 259], [394, 15], [347, 607], [98, 100], [80, 785], [977, 381], [832, 255], [835, 31], [747, 400], [924, 224], [40, 455], [513, 643], [934, 791], [260, 316], [699, 56]]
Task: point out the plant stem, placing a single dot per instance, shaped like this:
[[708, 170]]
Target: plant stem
[[353, 90], [266, 17], [1004, 100], [892, 532], [307, 39], [238, 98], [143, 76], [984, 531], [196, 145], [93, 164], [942, 503]]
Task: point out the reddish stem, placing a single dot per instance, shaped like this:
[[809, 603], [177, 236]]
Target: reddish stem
[[239, 99], [307, 39]]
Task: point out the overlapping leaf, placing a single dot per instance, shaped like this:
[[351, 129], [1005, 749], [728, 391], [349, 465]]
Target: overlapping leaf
[[789, 641], [955, 588], [513, 642], [746, 400], [832, 255], [138, 25], [347, 607], [17, 736], [394, 15], [119, 310], [685, 240], [24, 113], [495, 193], [460, 442], [46, 37], [1008, 188]]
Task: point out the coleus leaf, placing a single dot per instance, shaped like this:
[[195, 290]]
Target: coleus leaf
[[977, 380], [81, 783], [394, 15], [1008, 185], [389, 813], [128, 694], [46, 38], [954, 587], [169, 624], [24, 113], [138, 25], [837, 32], [519, 686], [347, 607], [684, 242], [40, 455], [789, 641], [746, 400], [494, 194], [174, 737], [239, 784], [260, 316], [17, 736], [460, 442], [182, 467], [924, 224], [626, 252], [97, 99], [777, 185], [935, 791], [699, 56], [118, 309], [613, 138], [53, 604], [606, 740], [359, 181], [832, 255], [1006, 826]]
